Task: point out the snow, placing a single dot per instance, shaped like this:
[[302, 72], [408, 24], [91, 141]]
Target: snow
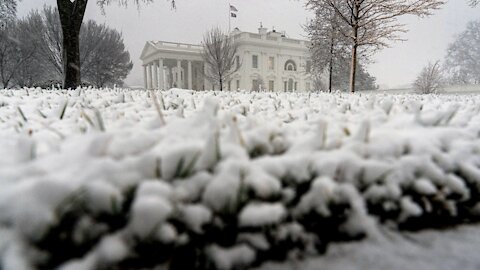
[[195, 216], [429, 250], [112, 249], [148, 214], [233, 258], [262, 214], [154, 188], [256, 240], [102, 196], [318, 197], [269, 165], [425, 187], [409, 208]]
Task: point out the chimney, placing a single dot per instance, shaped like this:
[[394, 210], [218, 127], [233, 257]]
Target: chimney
[[262, 30], [274, 33]]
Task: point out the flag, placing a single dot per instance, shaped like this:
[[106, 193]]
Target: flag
[[233, 15], [234, 9]]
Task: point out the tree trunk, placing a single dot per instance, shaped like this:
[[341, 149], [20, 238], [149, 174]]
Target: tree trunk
[[353, 67], [221, 84], [330, 69], [71, 17], [71, 59], [5, 84]]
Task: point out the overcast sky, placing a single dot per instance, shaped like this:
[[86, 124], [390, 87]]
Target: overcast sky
[[427, 38]]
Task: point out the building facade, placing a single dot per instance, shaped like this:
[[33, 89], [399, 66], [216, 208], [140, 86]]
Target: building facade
[[268, 61]]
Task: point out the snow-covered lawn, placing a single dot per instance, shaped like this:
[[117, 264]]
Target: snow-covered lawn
[[455, 248], [119, 179]]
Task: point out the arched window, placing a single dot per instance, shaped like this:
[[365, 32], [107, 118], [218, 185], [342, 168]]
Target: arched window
[[290, 66]]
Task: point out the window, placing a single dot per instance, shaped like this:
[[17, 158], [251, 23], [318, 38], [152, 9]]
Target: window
[[290, 66], [307, 87], [271, 85], [271, 63], [229, 85], [238, 85], [290, 85], [254, 61], [237, 61], [309, 66]]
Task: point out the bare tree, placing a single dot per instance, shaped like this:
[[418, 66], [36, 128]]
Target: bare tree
[[15, 52], [44, 32], [371, 24], [71, 17], [219, 51], [473, 3], [8, 54], [8, 9], [462, 61], [430, 80], [50, 42], [328, 44], [32, 69], [104, 59], [329, 50]]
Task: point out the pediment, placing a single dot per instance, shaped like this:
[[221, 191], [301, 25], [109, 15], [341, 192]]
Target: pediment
[[148, 49]]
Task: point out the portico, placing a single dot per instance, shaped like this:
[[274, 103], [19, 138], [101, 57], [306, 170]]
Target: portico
[[173, 65]]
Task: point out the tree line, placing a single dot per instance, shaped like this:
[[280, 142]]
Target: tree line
[[31, 52]]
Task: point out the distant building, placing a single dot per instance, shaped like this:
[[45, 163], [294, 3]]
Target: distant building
[[269, 61]]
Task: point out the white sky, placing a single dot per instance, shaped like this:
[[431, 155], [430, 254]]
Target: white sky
[[427, 38]]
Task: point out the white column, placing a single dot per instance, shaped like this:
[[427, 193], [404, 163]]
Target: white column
[[179, 74], [301, 75], [189, 74], [150, 76], [171, 79], [145, 79], [161, 70], [246, 67], [155, 75], [205, 80]]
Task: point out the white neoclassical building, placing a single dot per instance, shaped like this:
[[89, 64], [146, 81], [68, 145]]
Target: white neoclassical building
[[269, 61]]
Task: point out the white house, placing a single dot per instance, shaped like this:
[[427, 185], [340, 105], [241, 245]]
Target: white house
[[269, 60]]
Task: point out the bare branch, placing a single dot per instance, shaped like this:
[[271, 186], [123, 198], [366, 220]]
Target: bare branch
[[373, 23], [430, 80], [219, 54]]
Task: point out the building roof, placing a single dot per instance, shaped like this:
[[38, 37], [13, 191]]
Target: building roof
[[263, 39]]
